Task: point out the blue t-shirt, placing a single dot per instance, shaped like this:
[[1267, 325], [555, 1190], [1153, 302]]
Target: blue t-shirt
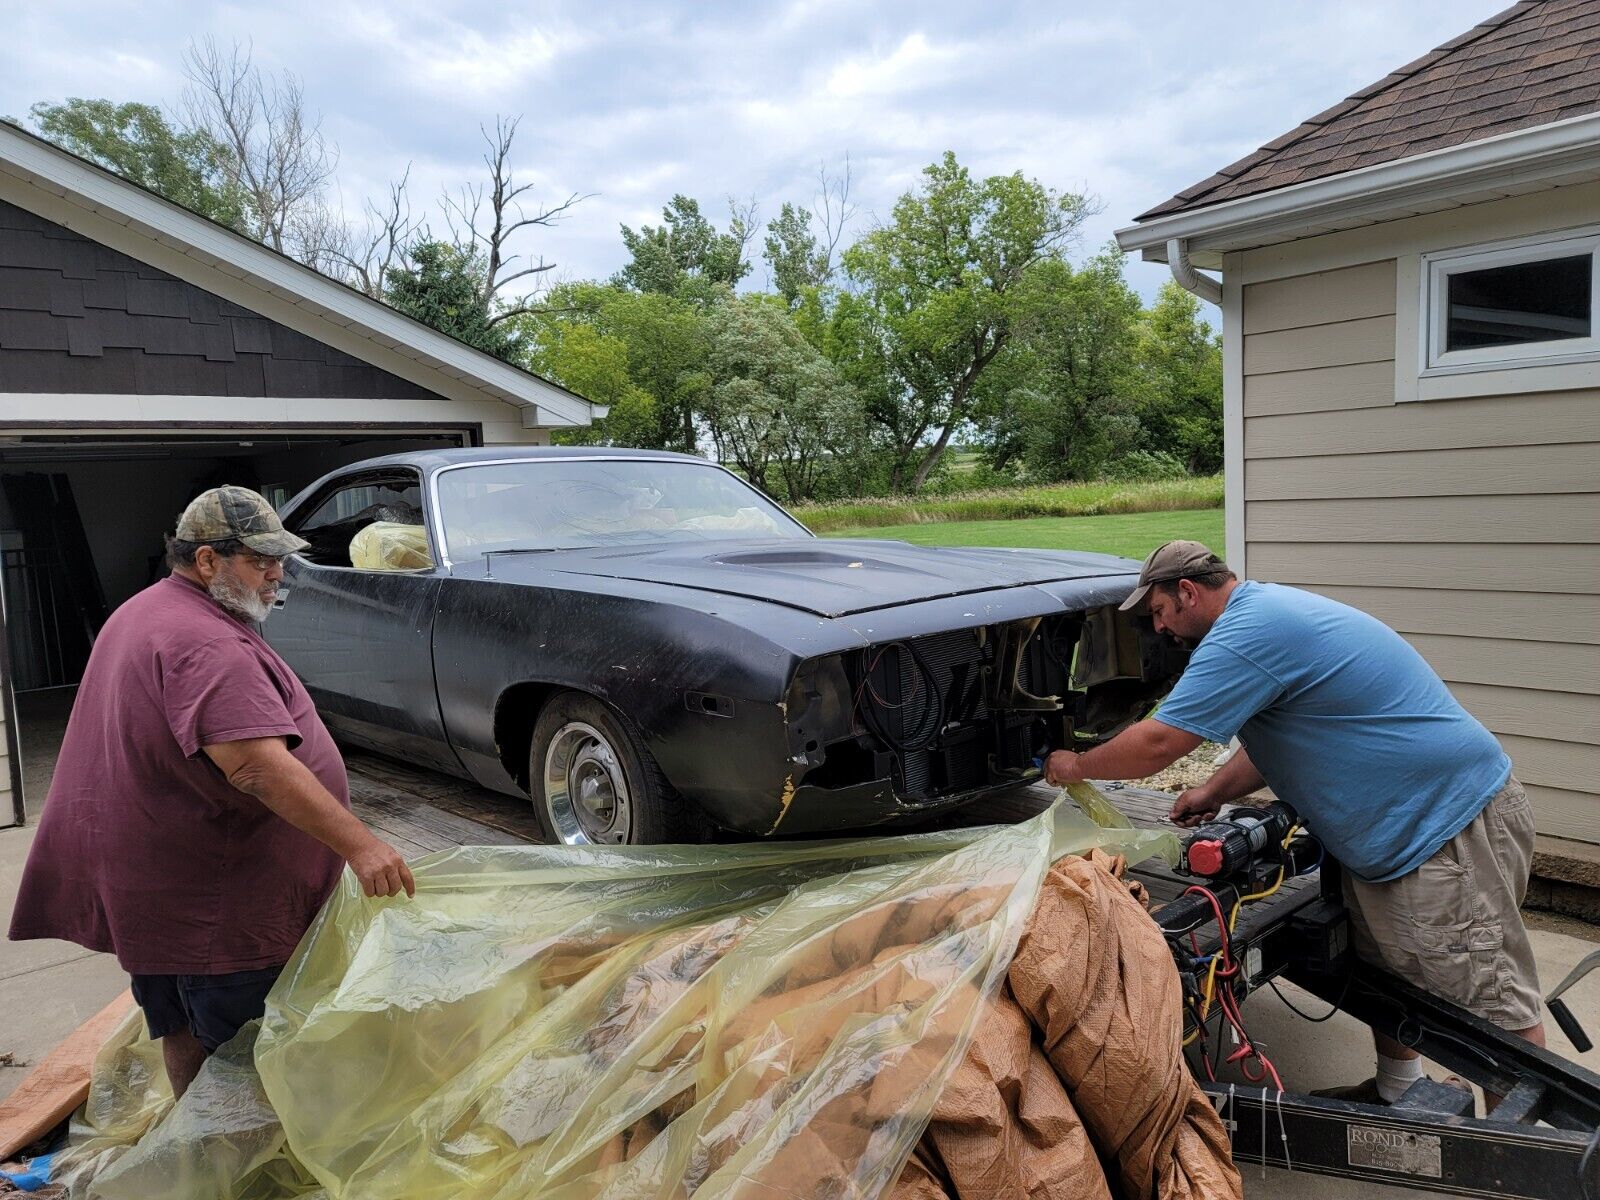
[[1345, 721]]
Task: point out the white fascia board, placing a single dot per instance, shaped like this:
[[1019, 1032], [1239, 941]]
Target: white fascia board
[[1551, 150], [68, 176]]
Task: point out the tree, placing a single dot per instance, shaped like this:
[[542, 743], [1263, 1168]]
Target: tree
[[277, 155], [940, 280], [793, 254], [686, 255], [1180, 360], [775, 407], [137, 142], [663, 341], [1077, 334], [443, 287], [799, 257], [485, 219]]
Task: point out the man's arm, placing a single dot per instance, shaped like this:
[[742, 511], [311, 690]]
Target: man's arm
[[1236, 778], [1137, 751], [264, 768]]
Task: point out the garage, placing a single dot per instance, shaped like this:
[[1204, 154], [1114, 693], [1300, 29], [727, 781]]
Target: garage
[[147, 354]]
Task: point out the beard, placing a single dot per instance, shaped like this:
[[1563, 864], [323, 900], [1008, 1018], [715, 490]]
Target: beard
[[228, 590]]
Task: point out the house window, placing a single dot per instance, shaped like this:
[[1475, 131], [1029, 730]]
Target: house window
[[1515, 304]]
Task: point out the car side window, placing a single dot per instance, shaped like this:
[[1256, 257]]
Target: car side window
[[372, 523]]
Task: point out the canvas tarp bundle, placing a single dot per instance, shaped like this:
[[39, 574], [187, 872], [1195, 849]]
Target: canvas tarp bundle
[[1077, 1062], [768, 1019]]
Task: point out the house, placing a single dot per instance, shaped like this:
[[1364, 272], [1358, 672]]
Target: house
[[1411, 355], [146, 354]]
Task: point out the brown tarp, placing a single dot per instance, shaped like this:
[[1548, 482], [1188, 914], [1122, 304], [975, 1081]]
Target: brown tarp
[[1096, 978]]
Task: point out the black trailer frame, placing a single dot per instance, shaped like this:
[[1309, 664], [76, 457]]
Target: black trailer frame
[[1541, 1143]]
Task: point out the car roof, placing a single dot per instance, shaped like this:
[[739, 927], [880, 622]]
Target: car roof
[[428, 460]]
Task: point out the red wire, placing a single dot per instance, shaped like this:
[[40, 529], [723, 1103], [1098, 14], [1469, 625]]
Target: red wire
[[1230, 1009]]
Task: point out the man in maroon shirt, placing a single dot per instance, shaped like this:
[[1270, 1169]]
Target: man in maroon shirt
[[199, 815]]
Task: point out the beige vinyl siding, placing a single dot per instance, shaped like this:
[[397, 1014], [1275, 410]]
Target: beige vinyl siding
[[1470, 526]]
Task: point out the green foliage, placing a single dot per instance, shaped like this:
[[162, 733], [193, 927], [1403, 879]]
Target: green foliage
[[137, 142], [1069, 500], [685, 256], [646, 352], [1142, 466], [935, 301], [1073, 404], [443, 287], [776, 408], [1180, 409], [798, 261]]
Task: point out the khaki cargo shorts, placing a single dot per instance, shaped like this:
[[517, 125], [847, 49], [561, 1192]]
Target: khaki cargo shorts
[[1453, 926]]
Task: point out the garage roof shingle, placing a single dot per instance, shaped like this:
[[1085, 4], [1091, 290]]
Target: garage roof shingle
[[1536, 62]]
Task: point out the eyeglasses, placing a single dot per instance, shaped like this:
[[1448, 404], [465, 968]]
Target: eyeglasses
[[262, 562]]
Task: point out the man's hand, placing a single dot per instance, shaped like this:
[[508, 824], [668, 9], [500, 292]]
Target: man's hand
[[381, 870], [1062, 768], [1194, 806]]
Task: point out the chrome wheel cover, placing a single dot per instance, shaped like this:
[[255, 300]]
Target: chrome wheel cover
[[585, 791]]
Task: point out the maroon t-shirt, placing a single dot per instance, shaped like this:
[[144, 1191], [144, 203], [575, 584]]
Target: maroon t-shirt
[[145, 850]]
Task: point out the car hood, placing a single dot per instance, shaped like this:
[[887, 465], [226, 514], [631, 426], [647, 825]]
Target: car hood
[[831, 578]]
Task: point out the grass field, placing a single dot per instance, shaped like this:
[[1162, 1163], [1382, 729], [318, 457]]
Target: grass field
[[1054, 500], [1132, 535]]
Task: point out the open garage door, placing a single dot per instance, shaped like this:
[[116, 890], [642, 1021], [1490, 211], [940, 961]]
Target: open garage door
[[82, 521]]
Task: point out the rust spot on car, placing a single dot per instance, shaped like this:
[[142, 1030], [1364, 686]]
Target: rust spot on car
[[785, 799]]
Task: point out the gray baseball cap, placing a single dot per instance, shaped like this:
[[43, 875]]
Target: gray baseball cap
[[1173, 561], [237, 512]]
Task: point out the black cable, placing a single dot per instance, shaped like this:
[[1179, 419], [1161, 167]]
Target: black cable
[[1337, 1004]]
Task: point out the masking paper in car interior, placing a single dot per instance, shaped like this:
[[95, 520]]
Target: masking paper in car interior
[[739, 1020], [390, 546]]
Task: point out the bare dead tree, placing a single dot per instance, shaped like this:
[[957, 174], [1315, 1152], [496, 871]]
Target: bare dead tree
[[484, 218], [744, 217], [366, 256], [834, 211], [278, 155]]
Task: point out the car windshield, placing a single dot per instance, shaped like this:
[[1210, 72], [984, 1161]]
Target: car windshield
[[565, 504]]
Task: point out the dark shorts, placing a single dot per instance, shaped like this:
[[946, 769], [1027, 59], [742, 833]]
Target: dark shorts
[[212, 1007]]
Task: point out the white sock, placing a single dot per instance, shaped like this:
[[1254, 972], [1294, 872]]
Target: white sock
[[1395, 1075]]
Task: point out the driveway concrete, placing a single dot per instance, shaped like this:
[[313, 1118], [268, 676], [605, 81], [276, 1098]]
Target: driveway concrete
[[47, 988]]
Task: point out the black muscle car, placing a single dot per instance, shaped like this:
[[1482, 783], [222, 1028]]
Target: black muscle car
[[648, 646]]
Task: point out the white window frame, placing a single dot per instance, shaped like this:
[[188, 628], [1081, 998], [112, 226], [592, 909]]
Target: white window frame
[[1439, 266]]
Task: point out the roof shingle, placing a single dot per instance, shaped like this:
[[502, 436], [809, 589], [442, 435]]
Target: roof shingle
[[1536, 62]]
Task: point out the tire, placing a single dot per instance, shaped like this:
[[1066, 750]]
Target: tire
[[581, 745]]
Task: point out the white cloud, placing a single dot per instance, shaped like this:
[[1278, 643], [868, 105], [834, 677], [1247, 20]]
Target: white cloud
[[637, 99]]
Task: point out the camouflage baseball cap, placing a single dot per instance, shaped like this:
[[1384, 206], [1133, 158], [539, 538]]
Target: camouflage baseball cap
[[237, 512], [1171, 562]]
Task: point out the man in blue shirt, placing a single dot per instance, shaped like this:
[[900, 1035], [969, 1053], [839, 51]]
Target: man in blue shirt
[[1342, 718]]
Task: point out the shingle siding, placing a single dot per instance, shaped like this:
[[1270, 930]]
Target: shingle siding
[[78, 317]]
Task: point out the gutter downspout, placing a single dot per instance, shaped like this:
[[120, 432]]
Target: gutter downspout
[[1189, 279]]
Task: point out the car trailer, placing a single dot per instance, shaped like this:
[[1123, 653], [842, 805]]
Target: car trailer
[[1542, 1142]]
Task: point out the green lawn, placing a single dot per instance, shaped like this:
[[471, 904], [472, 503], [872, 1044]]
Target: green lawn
[[1132, 535]]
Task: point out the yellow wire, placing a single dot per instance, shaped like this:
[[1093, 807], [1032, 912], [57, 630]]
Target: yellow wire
[[1211, 975]]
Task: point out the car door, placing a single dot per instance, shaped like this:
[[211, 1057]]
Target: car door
[[355, 615]]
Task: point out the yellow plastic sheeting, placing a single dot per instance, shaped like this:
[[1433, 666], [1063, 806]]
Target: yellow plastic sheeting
[[390, 546], [750, 1020]]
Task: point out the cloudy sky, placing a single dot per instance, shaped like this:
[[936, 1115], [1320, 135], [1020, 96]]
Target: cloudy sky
[[633, 102]]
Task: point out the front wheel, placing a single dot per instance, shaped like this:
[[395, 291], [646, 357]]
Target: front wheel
[[595, 784]]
